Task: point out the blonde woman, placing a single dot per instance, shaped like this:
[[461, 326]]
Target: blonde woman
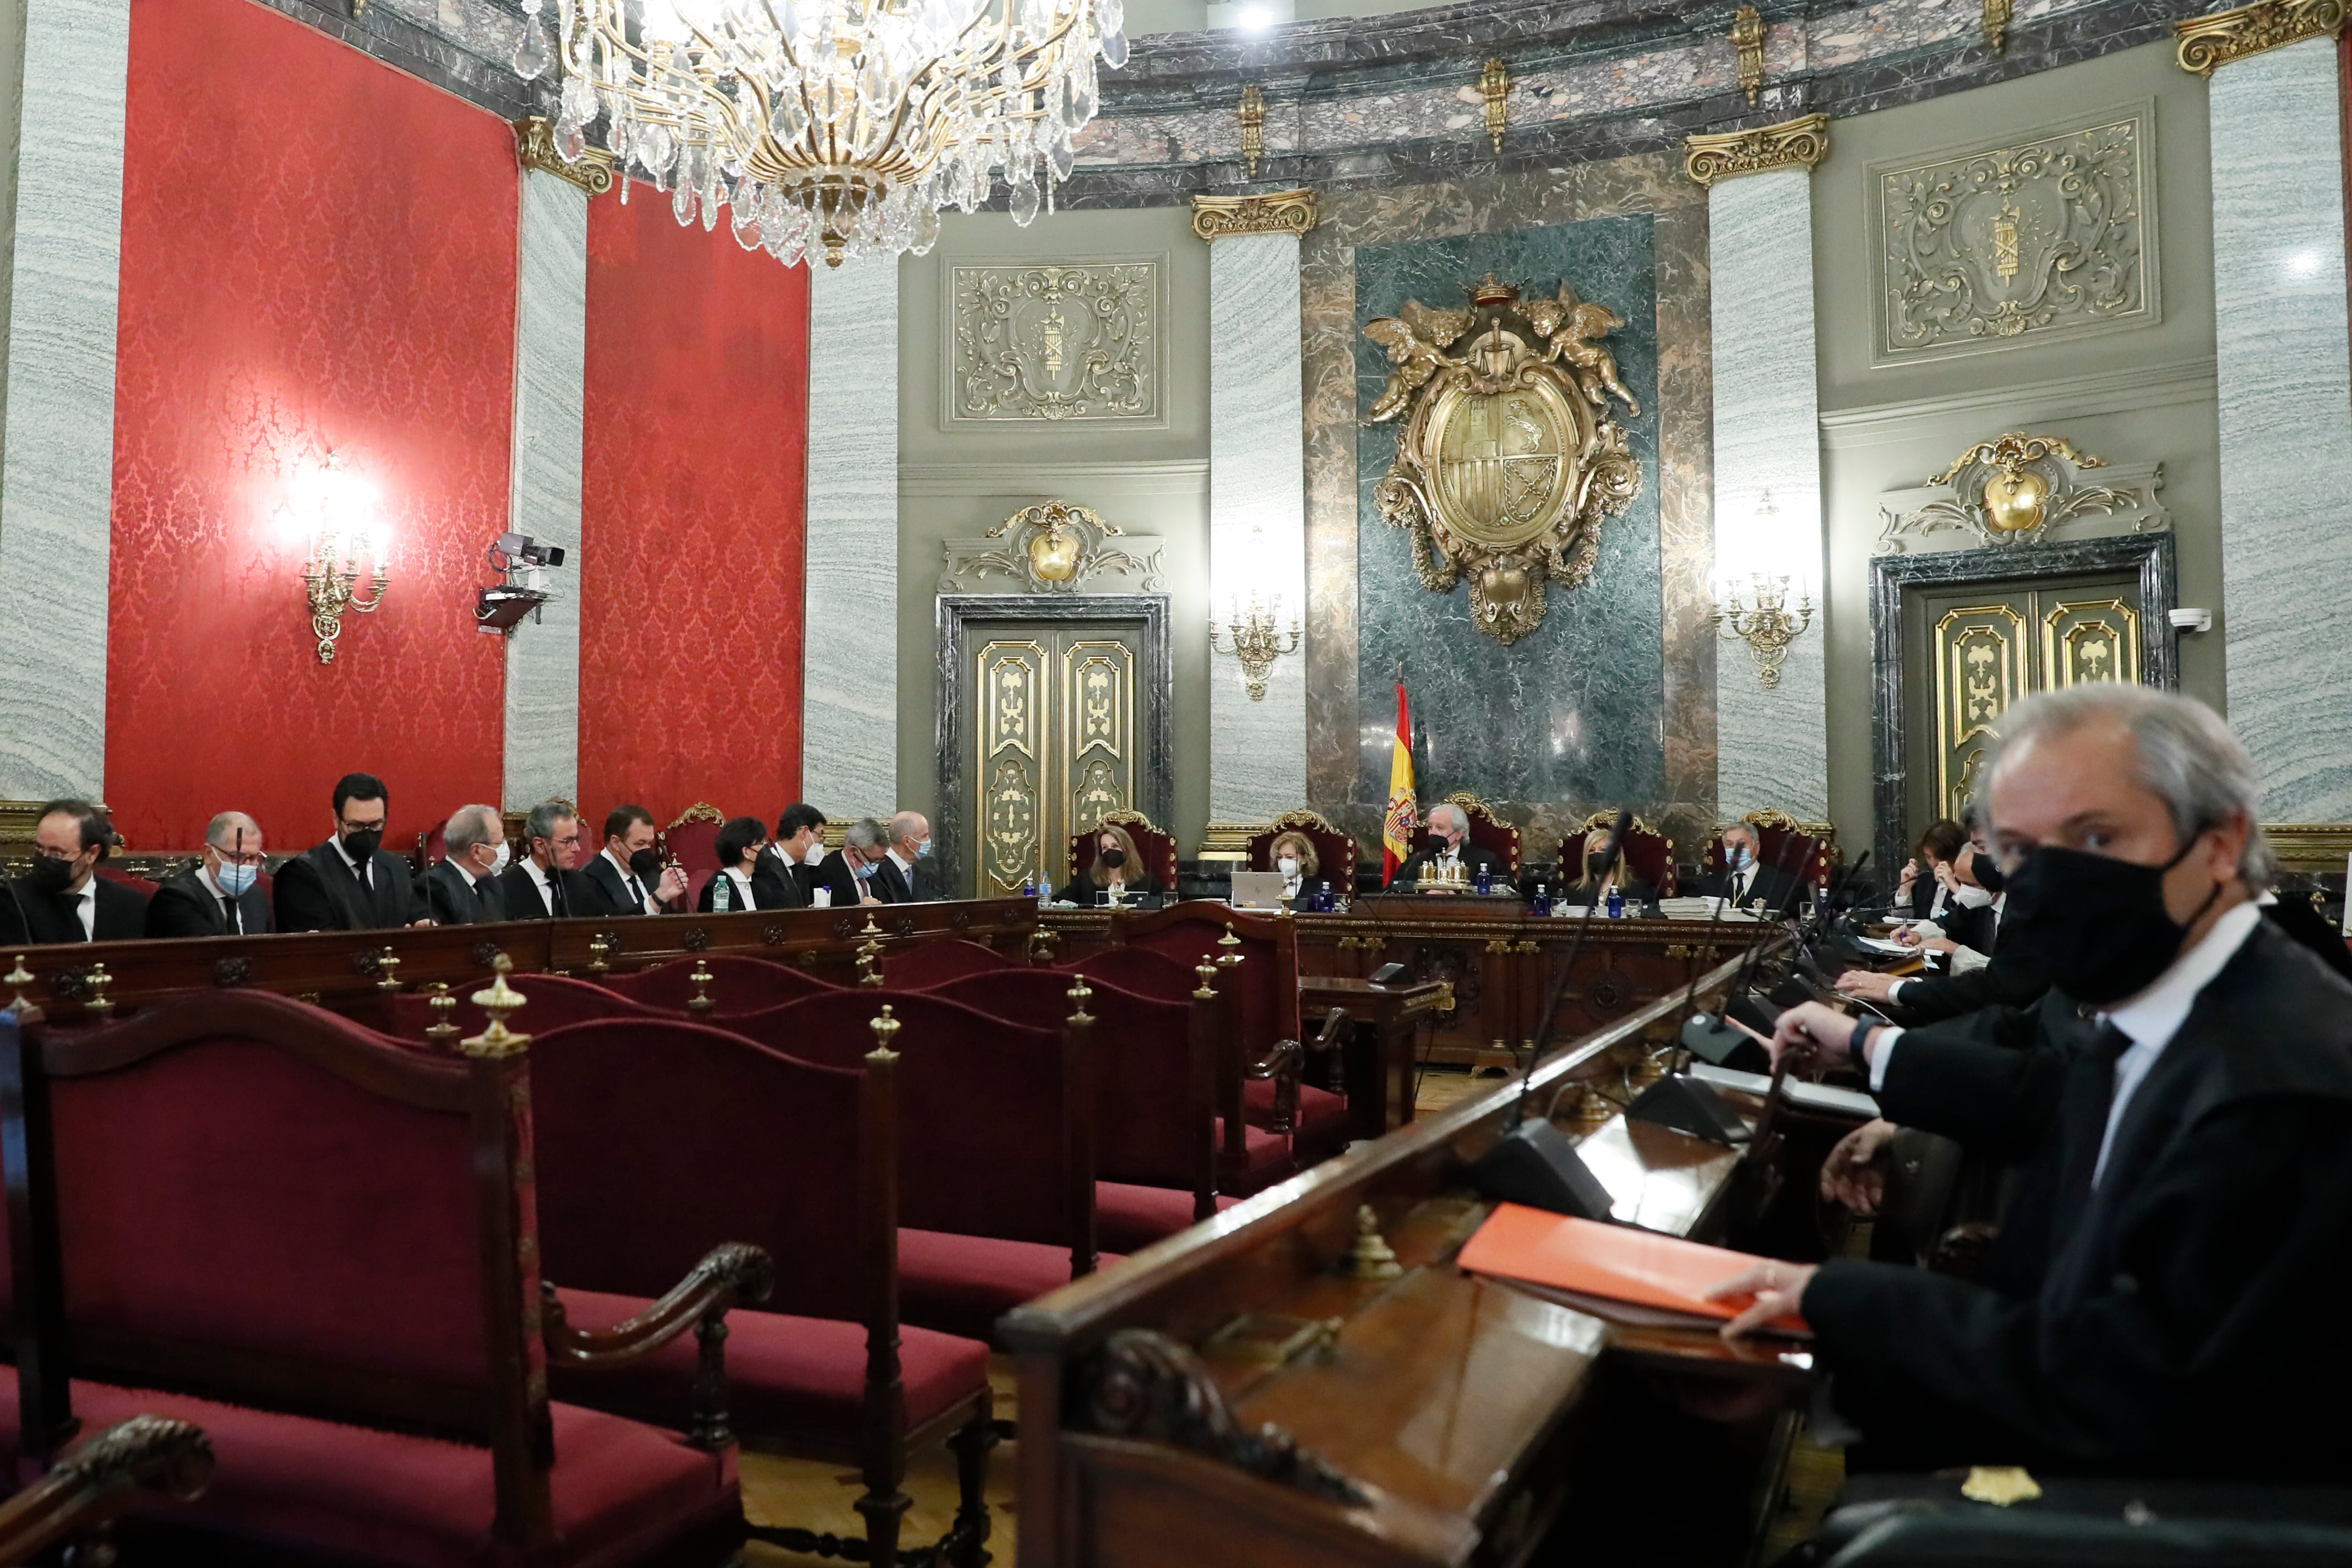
[[1293, 853], [1590, 887], [1118, 870]]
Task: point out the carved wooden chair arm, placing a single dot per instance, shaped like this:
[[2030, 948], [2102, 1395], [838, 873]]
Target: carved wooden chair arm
[[1334, 1031], [732, 1273], [98, 1480], [1961, 1250], [1283, 1062]]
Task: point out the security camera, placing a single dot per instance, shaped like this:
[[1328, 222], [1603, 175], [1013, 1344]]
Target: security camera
[[522, 550]]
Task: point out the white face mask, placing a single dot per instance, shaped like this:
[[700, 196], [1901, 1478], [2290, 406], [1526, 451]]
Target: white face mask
[[1289, 865], [815, 856], [1970, 898]]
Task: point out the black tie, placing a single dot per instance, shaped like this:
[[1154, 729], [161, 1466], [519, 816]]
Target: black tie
[[637, 889], [555, 891], [228, 913], [2088, 1095]]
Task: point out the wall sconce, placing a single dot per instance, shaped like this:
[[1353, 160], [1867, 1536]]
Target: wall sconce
[[1256, 642], [337, 515], [1763, 621]]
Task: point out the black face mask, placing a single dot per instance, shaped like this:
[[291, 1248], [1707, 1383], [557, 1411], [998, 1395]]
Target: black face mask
[[1987, 873], [2095, 925], [49, 875], [1114, 858], [646, 863], [362, 842], [1596, 865]]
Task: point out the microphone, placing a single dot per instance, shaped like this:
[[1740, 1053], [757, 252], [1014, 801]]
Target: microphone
[[1608, 855]]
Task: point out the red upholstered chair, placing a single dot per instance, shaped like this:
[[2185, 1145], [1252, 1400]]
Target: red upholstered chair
[[737, 984], [1487, 831], [1140, 970], [1259, 1082], [1782, 841], [99, 1481], [996, 1155], [358, 1262], [432, 847], [928, 965], [555, 1000], [1648, 854], [1334, 852], [1155, 844], [656, 1140], [1155, 1167], [693, 839], [131, 879]]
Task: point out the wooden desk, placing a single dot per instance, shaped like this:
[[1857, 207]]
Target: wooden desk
[[1376, 1059], [1443, 1414]]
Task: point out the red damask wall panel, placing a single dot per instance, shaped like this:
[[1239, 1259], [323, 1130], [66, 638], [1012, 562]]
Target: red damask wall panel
[[692, 529], [318, 253]]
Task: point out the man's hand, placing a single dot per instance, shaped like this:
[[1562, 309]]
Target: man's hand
[[414, 924], [1779, 1289], [672, 886], [1854, 1175], [1938, 944], [869, 899], [1868, 985], [1818, 1035]]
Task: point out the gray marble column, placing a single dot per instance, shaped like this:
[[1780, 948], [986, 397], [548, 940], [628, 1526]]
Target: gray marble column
[[2287, 424], [1772, 744], [57, 473], [1257, 522], [849, 750], [543, 692]]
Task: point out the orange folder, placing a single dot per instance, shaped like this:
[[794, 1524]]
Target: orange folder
[[1615, 1271]]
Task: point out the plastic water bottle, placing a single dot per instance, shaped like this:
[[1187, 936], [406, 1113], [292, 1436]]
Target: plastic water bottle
[[1540, 906], [1323, 898], [1486, 879], [1044, 894], [1029, 889], [722, 897], [1616, 902]]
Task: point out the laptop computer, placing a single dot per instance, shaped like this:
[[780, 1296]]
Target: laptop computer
[[1257, 890]]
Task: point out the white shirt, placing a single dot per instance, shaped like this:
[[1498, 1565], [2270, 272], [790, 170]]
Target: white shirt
[[628, 875], [539, 879], [462, 869], [742, 894], [2151, 1018], [906, 866], [234, 916]]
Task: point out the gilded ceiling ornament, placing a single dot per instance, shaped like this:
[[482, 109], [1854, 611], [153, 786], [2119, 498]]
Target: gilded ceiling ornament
[[1510, 455], [1278, 212], [2208, 43], [1050, 548], [1797, 144], [1056, 342], [2046, 235]]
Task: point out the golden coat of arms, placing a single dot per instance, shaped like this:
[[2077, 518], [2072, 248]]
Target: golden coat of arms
[[1510, 457]]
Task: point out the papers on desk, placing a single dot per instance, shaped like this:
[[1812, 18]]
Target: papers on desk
[[1880, 945], [1699, 909], [1613, 1272], [1827, 1098]]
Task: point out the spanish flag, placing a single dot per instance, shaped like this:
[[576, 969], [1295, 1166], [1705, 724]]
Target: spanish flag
[[1404, 819]]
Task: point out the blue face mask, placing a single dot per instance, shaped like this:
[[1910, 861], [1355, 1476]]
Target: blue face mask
[[235, 880], [923, 850], [1741, 858], [865, 870]]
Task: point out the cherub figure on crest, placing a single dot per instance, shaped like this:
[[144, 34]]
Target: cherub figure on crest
[[1574, 328], [1416, 346]]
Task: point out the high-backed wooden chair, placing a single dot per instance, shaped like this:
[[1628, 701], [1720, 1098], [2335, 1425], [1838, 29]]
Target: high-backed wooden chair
[[144, 887], [928, 965], [693, 839], [317, 1244], [555, 1000], [739, 983], [1334, 852], [632, 1117], [1782, 841], [996, 1147], [100, 1480], [1487, 830], [1154, 843], [432, 848], [1648, 854]]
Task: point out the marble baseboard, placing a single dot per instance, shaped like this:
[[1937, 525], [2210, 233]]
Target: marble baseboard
[[2285, 395], [1257, 749], [1773, 745], [849, 751], [542, 671], [57, 485]]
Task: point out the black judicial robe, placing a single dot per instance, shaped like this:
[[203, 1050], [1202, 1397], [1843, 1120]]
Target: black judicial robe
[[121, 914], [185, 905], [2184, 1318], [846, 885], [316, 891], [777, 884], [1781, 892], [524, 901], [453, 904], [2010, 978]]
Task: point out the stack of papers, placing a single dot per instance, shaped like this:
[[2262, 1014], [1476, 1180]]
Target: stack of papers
[[1825, 1098], [1698, 909]]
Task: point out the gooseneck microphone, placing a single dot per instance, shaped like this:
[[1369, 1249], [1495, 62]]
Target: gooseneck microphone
[[1608, 855]]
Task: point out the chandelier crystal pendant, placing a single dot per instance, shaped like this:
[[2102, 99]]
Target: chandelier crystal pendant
[[840, 127]]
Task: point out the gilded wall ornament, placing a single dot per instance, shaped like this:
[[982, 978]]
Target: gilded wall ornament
[[1053, 547], [1277, 212], [2050, 235], [2208, 43], [1252, 115], [1747, 39], [1797, 144], [535, 149], [1495, 90], [1075, 341], [1510, 455], [2016, 488]]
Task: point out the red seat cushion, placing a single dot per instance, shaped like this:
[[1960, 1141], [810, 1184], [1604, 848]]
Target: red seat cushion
[[790, 1379], [963, 1284], [1128, 1218], [623, 1492], [1265, 1159], [1322, 1130]]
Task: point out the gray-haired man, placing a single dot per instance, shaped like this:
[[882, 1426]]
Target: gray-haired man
[[1449, 825], [462, 888], [542, 884], [848, 872]]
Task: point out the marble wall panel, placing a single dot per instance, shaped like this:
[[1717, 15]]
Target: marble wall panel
[[1257, 748], [542, 673], [1350, 704], [2286, 424], [58, 483], [849, 761], [1774, 744]]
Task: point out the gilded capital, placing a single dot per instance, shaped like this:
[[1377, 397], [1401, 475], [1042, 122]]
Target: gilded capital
[[1792, 145], [535, 149], [1283, 212], [2208, 43]]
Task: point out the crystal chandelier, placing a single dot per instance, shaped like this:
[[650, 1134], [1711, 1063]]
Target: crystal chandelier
[[839, 126]]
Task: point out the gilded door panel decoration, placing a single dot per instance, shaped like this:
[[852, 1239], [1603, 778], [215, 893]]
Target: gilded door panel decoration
[[2091, 639], [1012, 735], [1509, 454], [2049, 234], [1075, 341], [1053, 745], [1099, 678], [1980, 654]]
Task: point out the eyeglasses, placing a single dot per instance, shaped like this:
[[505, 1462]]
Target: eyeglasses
[[376, 826], [47, 854], [236, 857], [571, 842]]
